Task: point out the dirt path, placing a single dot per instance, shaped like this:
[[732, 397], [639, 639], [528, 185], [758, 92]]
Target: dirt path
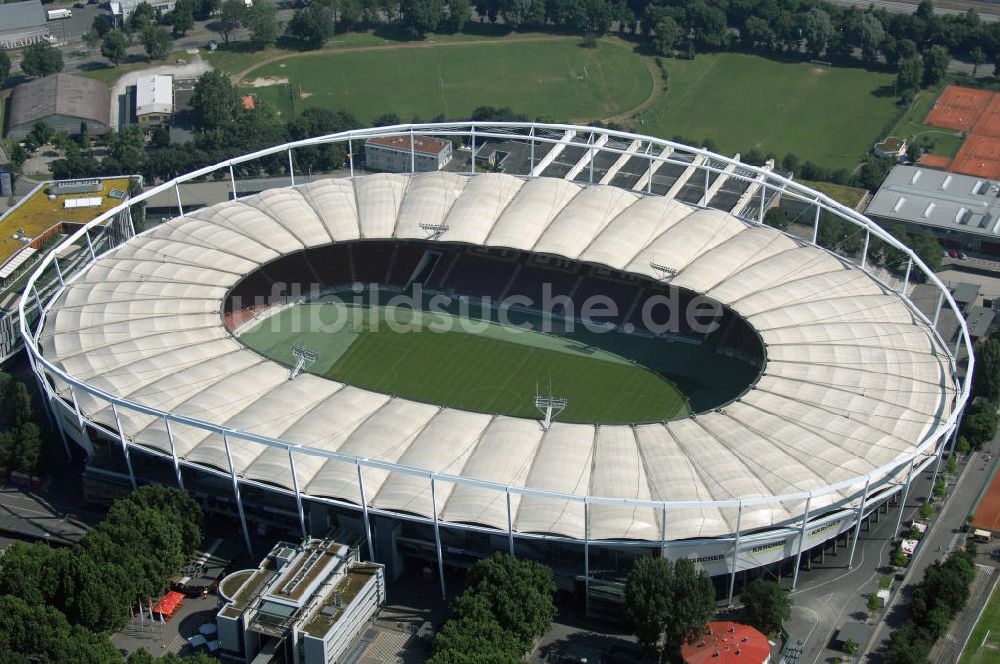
[[657, 78], [240, 75]]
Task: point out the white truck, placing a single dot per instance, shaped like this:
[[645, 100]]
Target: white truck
[[55, 14]]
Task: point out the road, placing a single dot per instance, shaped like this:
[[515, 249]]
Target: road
[[986, 11]]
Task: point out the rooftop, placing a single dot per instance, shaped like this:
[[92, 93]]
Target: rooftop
[[949, 201], [980, 319], [421, 144], [339, 597], [15, 16], [35, 214], [154, 94], [59, 94]]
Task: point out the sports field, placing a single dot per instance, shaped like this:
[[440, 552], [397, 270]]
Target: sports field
[[829, 116], [984, 643], [553, 77], [491, 368]]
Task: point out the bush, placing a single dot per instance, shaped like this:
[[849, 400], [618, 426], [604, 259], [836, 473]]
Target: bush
[[926, 510]]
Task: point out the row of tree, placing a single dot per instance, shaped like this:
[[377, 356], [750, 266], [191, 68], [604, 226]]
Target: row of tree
[[506, 606], [20, 437], [130, 555], [937, 599]]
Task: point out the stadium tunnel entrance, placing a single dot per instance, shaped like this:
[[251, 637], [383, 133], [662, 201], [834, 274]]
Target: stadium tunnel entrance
[[621, 348]]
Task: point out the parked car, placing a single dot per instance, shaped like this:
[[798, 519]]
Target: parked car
[[962, 255], [953, 253]]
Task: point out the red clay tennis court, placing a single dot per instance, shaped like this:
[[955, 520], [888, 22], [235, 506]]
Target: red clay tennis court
[[987, 512], [978, 113], [959, 108]]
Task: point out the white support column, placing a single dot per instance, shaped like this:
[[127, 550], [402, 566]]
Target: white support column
[[350, 153], [437, 538], [906, 279], [173, 454], [236, 492], [705, 167], [586, 556], [90, 245], [413, 154], [937, 308], [472, 167], [857, 525], [649, 173], [864, 252], [38, 304], [121, 438], [76, 409], [232, 182], [590, 142], [902, 500], [364, 514], [177, 193], [763, 195], [298, 494], [131, 224], [816, 224], [802, 541], [531, 160], [291, 169], [736, 550], [510, 525], [663, 532], [59, 274], [940, 455]]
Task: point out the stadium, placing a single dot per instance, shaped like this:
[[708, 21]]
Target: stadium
[[200, 352]]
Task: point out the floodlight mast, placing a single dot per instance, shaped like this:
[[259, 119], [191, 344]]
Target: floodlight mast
[[550, 406], [668, 272], [304, 358]]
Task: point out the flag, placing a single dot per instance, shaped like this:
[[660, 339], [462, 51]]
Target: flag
[[151, 618], [142, 616], [161, 618]]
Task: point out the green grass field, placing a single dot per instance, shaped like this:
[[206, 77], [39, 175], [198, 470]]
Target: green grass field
[[494, 369], [831, 117], [555, 78], [984, 643]]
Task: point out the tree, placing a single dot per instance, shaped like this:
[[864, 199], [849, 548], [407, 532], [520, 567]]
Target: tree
[[980, 422], [230, 17], [42, 634], [666, 36], [103, 24], [4, 66], [952, 464], [850, 647], [766, 605], [473, 636], [818, 30], [183, 16], [978, 57], [936, 61], [777, 218], [987, 378], [962, 446], [668, 602], [41, 59], [908, 78], [907, 645], [421, 16], [459, 12], [757, 33], [114, 47], [92, 39], [156, 41], [868, 34], [874, 603], [520, 595], [313, 24], [262, 21], [215, 102], [142, 17], [898, 556]]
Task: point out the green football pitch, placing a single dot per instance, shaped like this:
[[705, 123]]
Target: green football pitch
[[984, 643], [436, 357]]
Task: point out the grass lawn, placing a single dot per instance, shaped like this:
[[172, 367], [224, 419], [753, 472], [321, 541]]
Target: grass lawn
[[983, 649], [492, 369], [109, 75], [849, 196], [831, 117], [554, 78]]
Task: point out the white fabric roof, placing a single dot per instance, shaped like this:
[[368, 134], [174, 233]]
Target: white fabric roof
[[853, 379]]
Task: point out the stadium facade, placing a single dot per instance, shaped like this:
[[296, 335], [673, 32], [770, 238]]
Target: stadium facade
[[856, 392]]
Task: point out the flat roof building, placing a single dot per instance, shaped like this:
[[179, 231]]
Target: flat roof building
[[154, 100], [63, 102], [395, 153], [308, 600], [22, 24], [960, 210]]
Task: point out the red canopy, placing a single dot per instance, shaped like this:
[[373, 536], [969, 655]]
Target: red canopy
[[170, 603], [727, 643]]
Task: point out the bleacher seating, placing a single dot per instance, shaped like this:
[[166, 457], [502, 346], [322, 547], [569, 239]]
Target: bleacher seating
[[476, 274], [332, 264]]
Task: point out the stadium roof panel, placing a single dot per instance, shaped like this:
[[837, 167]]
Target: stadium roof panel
[[854, 379]]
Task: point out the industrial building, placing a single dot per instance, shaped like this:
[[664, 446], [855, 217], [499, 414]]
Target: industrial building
[[403, 154], [304, 603], [62, 101], [154, 101], [962, 211], [23, 24]]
